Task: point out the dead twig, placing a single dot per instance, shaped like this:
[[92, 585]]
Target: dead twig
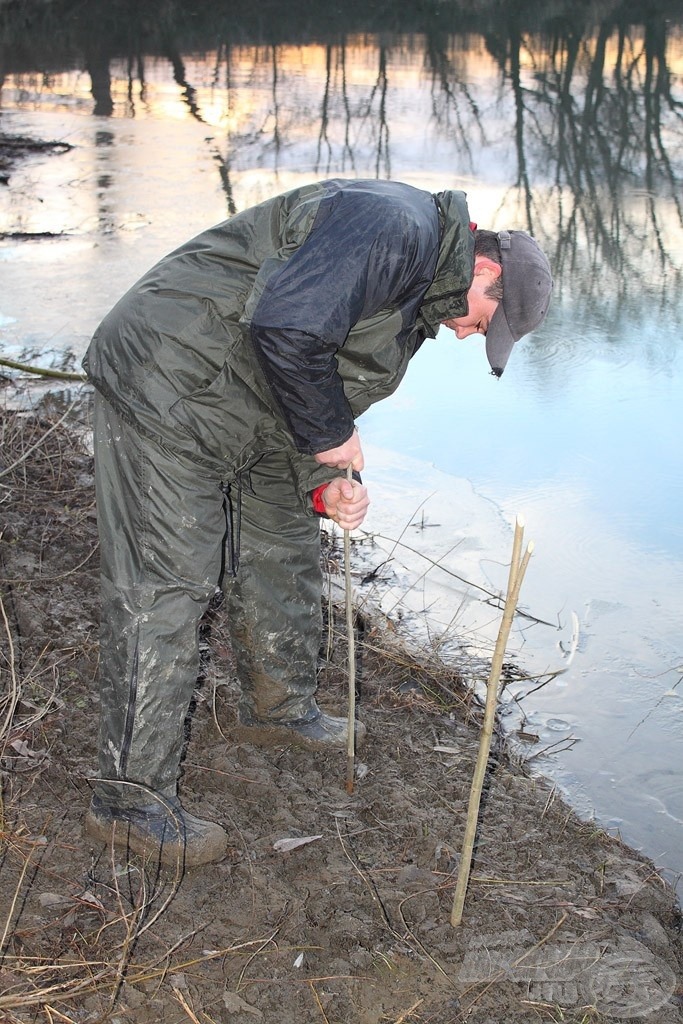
[[520, 960], [29, 451], [468, 583], [12, 698], [43, 371], [409, 1012], [317, 999]]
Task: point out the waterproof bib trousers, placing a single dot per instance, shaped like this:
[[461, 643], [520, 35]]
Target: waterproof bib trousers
[[163, 527]]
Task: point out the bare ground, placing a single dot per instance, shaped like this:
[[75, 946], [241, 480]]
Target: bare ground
[[562, 922]]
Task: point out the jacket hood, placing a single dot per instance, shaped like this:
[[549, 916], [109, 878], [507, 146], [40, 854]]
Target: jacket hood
[[446, 297]]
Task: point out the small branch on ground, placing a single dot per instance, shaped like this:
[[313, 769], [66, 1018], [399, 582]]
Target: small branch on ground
[[42, 371]]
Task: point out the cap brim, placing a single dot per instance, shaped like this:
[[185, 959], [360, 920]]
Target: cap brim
[[499, 341]]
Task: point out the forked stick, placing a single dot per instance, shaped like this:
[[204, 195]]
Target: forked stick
[[517, 570]]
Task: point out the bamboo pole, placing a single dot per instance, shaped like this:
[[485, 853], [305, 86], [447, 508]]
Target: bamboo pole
[[517, 569], [351, 640]]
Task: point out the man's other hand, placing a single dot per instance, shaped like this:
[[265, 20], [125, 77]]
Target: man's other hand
[[349, 453]]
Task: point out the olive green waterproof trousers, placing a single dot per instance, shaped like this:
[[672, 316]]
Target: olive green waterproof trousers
[[163, 523]]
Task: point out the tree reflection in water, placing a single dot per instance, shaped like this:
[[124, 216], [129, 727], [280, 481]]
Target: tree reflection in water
[[582, 115]]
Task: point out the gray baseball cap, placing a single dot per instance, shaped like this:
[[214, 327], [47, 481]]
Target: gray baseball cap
[[527, 285]]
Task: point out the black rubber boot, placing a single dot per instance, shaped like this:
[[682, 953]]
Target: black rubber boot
[[162, 829], [318, 731]]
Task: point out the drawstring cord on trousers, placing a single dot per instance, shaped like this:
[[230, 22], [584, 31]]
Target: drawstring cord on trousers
[[232, 504]]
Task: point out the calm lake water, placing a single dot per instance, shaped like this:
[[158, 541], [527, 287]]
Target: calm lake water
[[566, 130]]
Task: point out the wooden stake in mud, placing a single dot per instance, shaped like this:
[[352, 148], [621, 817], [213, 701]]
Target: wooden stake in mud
[[517, 569], [351, 639]]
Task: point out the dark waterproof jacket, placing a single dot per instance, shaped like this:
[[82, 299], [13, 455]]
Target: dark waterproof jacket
[[275, 329]]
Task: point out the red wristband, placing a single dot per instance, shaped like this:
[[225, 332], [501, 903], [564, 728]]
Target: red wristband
[[317, 500]]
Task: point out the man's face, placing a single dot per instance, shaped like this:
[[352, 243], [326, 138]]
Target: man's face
[[480, 308]]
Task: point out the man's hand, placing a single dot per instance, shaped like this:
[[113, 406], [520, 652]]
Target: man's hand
[[348, 453], [346, 502]]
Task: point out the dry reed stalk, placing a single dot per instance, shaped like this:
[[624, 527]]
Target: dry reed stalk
[[351, 639], [54, 1014], [516, 575], [18, 892], [185, 1005], [97, 976]]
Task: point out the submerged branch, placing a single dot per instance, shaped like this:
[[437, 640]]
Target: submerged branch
[[490, 595]]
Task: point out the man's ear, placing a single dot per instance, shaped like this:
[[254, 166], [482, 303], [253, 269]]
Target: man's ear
[[482, 264]]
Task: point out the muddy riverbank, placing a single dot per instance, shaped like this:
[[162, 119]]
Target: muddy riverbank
[[562, 922]]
